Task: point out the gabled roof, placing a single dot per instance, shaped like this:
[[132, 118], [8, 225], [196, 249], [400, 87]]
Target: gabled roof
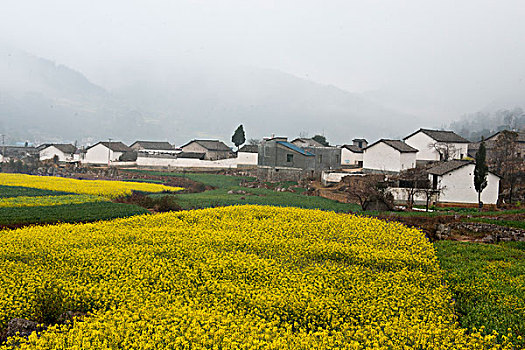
[[210, 145], [114, 146], [521, 135], [441, 135], [249, 149], [396, 144], [353, 148], [295, 148], [64, 147], [309, 142], [154, 145], [446, 167]]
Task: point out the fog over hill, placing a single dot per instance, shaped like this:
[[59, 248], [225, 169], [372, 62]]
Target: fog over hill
[[44, 101]]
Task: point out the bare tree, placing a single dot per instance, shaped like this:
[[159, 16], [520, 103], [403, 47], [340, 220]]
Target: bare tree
[[367, 189], [446, 151], [504, 160]]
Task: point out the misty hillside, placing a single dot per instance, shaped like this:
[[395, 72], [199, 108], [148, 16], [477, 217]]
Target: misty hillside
[[42, 101]]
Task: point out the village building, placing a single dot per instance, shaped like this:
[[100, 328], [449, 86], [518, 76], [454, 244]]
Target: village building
[[436, 145], [455, 182], [212, 149], [352, 155], [518, 147], [108, 152], [8, 153], [62, 152], [389, 156], [154, 147], [247, 156], [279, 159], [306, 142]]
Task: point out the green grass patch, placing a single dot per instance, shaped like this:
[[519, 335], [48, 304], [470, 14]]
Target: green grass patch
[[262, 196], [19, 216], [488, 284], [18, 191]]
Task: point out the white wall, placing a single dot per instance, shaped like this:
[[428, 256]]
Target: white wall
[[426, 146], [350, 158], [408, 160], [247, 158], [382, 157], [99, 155], [458, 187], [50, 152], [187, 162]]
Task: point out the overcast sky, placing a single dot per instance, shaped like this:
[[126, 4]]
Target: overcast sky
[[442, 57]]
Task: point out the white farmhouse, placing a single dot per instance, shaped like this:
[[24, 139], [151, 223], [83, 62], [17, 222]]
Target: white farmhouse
[[351, 155], [107, 153], [389, 156], [436, 145], [247, 156], [64, 152], [154, 147], [455, 179]]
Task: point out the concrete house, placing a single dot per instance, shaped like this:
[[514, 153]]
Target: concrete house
[[455, 178], [389, 156], [436, 145], [64, 152], [279, 159], [213, 149], [153, 147], [247, 156], [108, 152]]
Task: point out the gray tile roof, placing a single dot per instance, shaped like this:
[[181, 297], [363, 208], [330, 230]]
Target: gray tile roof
[[211, 145], [65, 147], [441, 136], [249, 149], [115, 146], [396, 144], [154, 145], [353, 148], [445, 167]]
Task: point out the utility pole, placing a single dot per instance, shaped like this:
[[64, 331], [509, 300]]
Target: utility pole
[[109, 152]]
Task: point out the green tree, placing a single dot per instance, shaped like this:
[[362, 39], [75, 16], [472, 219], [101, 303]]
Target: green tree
[[480, 172], [238, 137], [321, 139]]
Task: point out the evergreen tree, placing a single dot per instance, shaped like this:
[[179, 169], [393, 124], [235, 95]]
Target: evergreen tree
[[480, 172], [238, 137], [321, 139]]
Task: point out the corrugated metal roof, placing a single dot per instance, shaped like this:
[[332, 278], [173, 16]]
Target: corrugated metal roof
[[295, 148]]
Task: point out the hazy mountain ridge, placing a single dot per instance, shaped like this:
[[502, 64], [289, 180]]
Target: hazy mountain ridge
[[42, 101]]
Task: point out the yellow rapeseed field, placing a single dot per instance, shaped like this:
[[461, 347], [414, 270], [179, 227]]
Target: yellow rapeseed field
[[245, 277], [35, 201], [109, 189]]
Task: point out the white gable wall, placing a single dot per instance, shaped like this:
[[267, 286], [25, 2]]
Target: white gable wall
[[50, 152], [458, 187], [99, 155], [350, 158], [408, 160], [382, 157], [425, 145]]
